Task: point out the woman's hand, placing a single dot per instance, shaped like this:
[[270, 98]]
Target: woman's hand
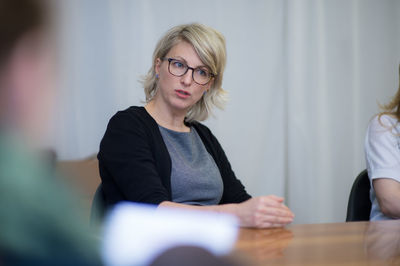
[[264, 212], [260, 212]]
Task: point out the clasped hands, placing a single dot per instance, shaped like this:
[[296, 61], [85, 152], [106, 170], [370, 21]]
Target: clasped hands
[[264, 212]]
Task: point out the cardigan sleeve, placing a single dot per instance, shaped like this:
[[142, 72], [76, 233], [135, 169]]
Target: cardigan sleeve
[[127, 162], [234, 191]]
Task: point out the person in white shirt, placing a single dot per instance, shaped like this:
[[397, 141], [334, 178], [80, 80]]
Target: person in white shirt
[[382, 152]]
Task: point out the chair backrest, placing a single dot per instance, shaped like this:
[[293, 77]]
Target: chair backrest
[[99, 205], [83, 175], [359, 206]]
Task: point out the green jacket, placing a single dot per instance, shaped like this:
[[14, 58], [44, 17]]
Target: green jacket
[[39, 217]]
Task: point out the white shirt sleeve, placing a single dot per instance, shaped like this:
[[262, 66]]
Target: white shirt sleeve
[[382, 148]]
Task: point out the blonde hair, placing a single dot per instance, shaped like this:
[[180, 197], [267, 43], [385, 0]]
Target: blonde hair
[[393, 107], [209, 45]]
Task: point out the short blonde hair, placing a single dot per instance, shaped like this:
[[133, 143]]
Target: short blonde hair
[[209, 45]]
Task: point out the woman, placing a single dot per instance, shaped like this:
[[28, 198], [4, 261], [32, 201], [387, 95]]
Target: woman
[[382, 152], [161, 154]]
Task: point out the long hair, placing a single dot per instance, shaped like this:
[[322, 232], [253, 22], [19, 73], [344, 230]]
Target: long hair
[[209, 44], [393, 107]]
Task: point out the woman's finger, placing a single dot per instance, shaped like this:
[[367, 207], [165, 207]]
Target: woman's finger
[[276, 220], [276, 211], [276, 198]]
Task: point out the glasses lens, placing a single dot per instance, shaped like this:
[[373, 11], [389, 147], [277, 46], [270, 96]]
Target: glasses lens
[[201, 76], [177, 67]]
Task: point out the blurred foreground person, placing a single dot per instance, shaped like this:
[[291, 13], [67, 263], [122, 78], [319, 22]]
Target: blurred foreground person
[[39, 224]]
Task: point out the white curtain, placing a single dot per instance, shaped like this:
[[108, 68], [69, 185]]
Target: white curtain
[[304, 78]]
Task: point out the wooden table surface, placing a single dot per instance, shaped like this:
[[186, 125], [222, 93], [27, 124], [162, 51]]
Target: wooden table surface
[[355, 243]]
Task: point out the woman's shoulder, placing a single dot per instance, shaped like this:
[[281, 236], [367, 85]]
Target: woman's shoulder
[[132, 114], [383, 122], [132, 111], [132, 119]]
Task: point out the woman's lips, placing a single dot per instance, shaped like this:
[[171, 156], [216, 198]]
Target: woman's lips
[[182, 94]]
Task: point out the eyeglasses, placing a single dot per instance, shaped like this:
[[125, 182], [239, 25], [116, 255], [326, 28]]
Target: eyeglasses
[[200, 75]]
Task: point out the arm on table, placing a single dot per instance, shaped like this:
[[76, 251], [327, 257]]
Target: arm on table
[[388, 194], [259, 212]]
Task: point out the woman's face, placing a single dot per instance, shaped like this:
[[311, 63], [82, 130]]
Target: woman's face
[[180, 93]]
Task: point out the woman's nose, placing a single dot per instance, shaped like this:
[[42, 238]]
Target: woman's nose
[[187, 78]]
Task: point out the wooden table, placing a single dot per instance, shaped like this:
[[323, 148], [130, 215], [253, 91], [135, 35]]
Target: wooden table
[[355, 243]]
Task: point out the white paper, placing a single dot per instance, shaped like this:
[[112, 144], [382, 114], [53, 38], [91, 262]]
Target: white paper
[[135, 234]]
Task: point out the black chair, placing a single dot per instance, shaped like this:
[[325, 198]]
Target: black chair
[[359, 206], [99, 206]]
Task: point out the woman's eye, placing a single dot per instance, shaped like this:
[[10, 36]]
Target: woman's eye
[[179, 64], [202, 72]]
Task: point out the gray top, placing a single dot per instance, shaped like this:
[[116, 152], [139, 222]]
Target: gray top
[[195, 177]]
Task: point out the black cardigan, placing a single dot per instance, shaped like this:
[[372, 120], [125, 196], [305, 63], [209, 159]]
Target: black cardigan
[[135, 164]]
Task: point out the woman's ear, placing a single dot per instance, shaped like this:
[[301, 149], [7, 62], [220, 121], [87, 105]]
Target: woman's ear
[[209, 85], [157, 66]]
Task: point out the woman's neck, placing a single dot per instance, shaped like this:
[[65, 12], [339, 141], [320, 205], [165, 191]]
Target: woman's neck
[[166, 117]]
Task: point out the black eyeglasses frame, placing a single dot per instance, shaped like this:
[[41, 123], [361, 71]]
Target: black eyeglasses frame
[[169, 59]]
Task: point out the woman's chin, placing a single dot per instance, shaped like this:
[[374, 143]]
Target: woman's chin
[[183, 106]]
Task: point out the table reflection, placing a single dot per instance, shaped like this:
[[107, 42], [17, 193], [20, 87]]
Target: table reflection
[[382, 241], [264, 243]]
